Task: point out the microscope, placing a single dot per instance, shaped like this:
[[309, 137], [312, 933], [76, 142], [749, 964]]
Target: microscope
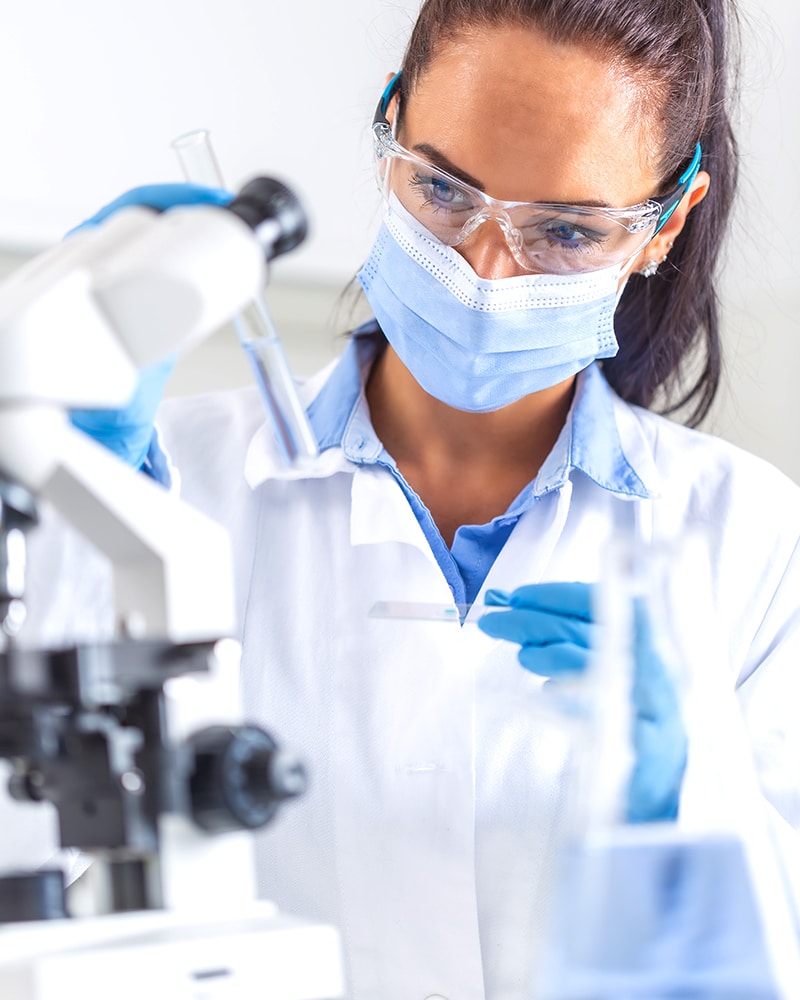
[[136, 742]]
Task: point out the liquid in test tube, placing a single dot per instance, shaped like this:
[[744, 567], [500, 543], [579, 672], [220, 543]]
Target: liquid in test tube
[[255, 329]]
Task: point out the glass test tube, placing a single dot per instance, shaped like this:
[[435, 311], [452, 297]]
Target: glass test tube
[[255, 328]]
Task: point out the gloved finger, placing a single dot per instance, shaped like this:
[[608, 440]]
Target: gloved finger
[[663, 739], [497, 598], [159, 197], [655, 785], [654, 694], [531, 626], [554, 660], [570, 599]]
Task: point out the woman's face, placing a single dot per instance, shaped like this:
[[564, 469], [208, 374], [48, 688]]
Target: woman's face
[[525, 119]]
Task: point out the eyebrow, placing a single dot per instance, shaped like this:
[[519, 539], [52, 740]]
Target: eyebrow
[[438, 159]]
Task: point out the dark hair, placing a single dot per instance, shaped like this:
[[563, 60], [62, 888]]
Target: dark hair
[[681, 50]]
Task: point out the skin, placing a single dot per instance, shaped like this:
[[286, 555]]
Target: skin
[[531, 121]]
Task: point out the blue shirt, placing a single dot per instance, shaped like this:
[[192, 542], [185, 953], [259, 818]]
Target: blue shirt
[[589, 442]]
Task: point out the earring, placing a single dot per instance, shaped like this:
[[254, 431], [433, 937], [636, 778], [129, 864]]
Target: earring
[[650, 268]]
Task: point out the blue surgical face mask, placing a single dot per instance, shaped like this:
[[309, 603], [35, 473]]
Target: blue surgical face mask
[[475, 343]]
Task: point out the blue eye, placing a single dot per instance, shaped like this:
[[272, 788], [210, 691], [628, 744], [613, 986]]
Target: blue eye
[[443, 191], [567, 233], [563, 232], [439, 195]]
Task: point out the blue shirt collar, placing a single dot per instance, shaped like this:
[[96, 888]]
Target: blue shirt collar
[[339, 414], [589, 442]]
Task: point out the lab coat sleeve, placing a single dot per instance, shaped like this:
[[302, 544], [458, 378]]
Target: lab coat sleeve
[[769, 696], [734, 522]]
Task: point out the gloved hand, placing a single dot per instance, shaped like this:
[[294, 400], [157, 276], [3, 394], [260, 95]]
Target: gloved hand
[[129, 430], [554, 625], [160, 197]]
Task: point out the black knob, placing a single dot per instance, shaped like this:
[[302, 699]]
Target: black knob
[[274, 212], [240, 778], [33, 896]]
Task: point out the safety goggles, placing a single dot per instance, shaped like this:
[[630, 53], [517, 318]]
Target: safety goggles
[[546, 238]]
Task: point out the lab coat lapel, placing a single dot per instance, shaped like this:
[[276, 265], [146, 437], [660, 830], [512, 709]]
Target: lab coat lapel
[[409, 872], [529, 550], [381, 513]]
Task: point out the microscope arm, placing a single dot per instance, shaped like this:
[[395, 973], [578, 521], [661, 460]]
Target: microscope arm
[[74, 327], [171, 565]]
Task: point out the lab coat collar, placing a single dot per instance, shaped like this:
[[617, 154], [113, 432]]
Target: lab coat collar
[[338, 413], [262, 460], [602, 437]]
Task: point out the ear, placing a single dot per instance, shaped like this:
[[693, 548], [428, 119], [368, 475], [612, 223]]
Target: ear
[[393, 103], [659, 247]]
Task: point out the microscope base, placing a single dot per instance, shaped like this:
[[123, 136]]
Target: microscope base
[[254, 952]]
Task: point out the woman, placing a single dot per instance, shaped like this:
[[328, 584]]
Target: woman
[[549, 165]]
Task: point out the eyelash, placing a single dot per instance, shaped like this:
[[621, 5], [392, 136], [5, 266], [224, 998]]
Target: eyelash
[[426, 186], [592, 239]]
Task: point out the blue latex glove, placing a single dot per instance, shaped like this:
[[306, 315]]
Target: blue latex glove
[[554, 625], [128, 431], [160, 197]]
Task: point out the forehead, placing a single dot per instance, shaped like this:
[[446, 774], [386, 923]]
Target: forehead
[[535, 120]]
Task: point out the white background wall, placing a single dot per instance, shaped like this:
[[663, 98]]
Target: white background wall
[[93, 91]]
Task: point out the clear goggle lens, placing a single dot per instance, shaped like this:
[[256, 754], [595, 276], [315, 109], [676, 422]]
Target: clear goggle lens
[[550, 239]]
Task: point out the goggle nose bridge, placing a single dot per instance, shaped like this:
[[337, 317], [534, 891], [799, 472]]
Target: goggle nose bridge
[[487, 213]]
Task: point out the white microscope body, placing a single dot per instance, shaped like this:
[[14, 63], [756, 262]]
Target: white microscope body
[[75, 326]]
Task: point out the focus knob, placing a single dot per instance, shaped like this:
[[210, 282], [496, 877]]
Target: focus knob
[[240, 778]]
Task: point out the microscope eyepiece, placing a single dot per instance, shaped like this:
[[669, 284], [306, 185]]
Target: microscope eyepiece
[[274, 213]]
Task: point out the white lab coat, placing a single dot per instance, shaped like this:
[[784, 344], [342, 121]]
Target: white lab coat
[[423, 835]]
